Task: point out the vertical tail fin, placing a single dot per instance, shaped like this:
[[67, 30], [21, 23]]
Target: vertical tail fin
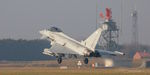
[[92, 40]]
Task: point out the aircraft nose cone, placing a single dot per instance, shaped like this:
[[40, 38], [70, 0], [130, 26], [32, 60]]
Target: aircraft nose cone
[[40, 32]]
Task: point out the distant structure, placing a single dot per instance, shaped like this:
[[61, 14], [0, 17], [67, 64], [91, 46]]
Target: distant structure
[[141, 55], [141, 60], [135, 42], [109, 39]]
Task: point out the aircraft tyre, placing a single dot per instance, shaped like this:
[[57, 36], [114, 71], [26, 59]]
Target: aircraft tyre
[[59, 60], [86, 61]]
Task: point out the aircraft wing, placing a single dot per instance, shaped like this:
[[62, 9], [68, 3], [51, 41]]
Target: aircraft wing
[[106, 52], [60, 49]]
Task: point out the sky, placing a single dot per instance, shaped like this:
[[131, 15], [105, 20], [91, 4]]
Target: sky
[[22, 19]]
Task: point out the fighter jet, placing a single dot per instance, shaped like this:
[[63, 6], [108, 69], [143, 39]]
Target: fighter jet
[[63, 45]]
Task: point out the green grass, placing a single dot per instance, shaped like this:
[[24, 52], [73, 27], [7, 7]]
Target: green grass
[[55, 71]]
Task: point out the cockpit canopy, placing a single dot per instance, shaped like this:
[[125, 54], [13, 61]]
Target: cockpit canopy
[[55, 29]]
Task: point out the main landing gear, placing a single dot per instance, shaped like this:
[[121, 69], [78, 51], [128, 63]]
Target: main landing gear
[[86, 60], [59, 60]]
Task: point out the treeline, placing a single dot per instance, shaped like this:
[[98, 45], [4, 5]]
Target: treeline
[[23, 49], [130, 49], [27, 50]]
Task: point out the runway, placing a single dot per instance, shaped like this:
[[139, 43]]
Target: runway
[[71, 71]]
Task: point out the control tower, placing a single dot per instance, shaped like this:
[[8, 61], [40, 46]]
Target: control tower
[[109, 39]]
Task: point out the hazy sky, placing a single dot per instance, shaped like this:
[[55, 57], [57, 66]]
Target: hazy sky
[[77, 18]]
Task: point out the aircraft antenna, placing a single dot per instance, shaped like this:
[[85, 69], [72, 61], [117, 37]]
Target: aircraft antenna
[[96, 12]]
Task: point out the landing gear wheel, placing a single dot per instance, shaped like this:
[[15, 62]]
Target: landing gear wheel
[[86, 61], [59, 60]]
